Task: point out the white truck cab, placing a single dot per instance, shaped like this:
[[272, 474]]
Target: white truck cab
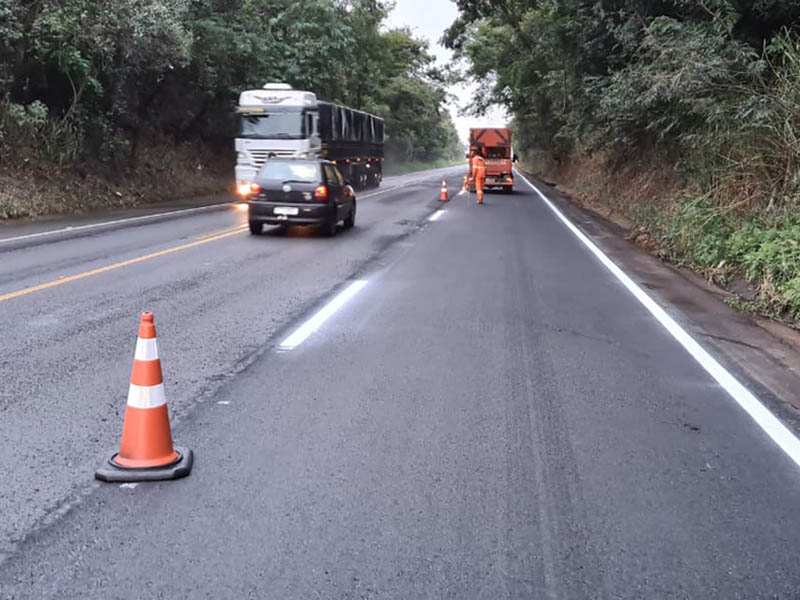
[[274, 121]]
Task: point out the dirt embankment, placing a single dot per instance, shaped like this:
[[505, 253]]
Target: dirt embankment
[[621, 195], [29, 189]]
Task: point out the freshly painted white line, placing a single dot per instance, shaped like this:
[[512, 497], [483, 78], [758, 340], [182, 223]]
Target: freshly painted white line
[[128, 486], [402, 185], [768, 422], [224, 402], [435, 216], [306, 329], [106, 223]]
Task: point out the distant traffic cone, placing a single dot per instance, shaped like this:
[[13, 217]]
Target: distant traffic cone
[[146, 452], [443, 194]]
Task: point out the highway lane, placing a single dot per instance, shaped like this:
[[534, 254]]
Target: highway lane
[[67, 350], [491, 416]]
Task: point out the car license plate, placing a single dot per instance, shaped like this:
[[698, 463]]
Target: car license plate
[[286, 210]]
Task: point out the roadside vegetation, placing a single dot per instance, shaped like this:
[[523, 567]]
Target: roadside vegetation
[[399, 168], [683, 116], [115, 102]]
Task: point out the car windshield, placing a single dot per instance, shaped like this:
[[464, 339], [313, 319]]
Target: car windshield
[[282, 170], [272, 126]]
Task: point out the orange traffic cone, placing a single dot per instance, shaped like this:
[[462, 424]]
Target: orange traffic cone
[[146, 452], [443, 195]]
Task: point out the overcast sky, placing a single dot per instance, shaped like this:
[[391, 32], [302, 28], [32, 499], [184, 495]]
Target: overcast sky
[[428, 19]]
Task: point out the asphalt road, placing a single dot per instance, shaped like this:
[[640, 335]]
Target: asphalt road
[[492, 415]]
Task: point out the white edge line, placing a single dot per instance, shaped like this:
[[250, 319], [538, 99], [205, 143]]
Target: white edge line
[[72, 229], [115, 222], [326, 312], [408, 183], [436, 215], [768, 422]]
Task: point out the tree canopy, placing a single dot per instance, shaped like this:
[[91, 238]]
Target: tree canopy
[[95, 79], [698, 81]]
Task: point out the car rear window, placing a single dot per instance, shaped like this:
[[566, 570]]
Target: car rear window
[[296, 171]]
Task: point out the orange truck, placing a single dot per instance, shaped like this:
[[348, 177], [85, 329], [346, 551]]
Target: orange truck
[[496, 145]]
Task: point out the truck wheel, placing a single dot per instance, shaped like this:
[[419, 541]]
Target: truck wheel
[[256, 227]]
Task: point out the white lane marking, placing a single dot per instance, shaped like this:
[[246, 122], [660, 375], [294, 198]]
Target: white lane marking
[[435, 216], [768, 422], [106, 223], [71, 228], [224, 402], [408, 183], [391, 189], [462, 192], [128, 486], [306, 329]]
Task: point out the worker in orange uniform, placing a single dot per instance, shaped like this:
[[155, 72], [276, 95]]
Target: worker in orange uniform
[[479, 172]]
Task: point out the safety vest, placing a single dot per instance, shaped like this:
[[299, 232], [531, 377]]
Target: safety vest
[[478, 165]]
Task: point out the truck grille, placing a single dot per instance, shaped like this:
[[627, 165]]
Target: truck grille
[[260, 156]]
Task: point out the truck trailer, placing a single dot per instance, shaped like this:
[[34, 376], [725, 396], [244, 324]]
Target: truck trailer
[[278, 121], [496, 146]]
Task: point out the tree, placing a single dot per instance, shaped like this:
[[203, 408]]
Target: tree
[[97, 79]]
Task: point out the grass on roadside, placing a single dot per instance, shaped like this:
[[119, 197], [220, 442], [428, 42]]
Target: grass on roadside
[[727, 247], [400, 168], [752, 251], [38, 188]]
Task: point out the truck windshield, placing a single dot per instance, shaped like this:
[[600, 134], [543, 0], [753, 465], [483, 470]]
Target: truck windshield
[[272, 126], [282, 170]]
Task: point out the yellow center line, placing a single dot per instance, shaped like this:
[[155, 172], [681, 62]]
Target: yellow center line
[[119, 265], [216, 233]]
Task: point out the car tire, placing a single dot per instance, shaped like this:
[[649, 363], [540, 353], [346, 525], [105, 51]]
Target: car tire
[[350, 221], [256, 227], [329, 229]]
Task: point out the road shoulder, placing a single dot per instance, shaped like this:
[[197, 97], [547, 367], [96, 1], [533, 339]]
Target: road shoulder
[[765, 352]]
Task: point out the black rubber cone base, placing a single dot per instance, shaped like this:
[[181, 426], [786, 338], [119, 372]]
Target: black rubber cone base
[[115, 474]]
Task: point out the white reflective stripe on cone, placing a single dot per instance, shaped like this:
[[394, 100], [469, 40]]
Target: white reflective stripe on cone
[[146, 349], [140, 396]]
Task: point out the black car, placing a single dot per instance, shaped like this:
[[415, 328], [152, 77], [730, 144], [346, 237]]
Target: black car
[[297, 191]]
